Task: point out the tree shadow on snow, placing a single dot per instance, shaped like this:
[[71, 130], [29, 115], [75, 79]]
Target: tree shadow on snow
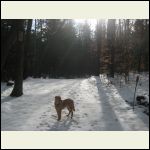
[[109, 116], [129, 100], [7, 99]]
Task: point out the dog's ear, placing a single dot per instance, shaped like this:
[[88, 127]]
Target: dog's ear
[[58, 97]]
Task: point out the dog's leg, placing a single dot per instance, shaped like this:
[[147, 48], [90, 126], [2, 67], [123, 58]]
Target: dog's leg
[[68, 113], [59, 114], [71, 114]]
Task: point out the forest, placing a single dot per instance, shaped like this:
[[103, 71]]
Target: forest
[[56, 48]]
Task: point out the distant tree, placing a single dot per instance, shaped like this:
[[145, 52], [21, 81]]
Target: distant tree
[[99, 43], [102, 54], [111, 44], [9, 38], [27, 50]]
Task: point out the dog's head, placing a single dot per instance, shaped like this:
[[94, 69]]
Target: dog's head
[[57, 100]]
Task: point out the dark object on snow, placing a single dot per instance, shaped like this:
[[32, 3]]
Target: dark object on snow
[[141, 100], [9, 83]]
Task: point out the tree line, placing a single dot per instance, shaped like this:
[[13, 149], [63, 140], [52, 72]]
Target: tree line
[[60, 48]]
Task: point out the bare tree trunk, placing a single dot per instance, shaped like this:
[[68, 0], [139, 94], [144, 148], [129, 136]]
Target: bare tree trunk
[[18, 86], [111, 44], [27, 57], [8, 45], [139, 62], [112, 62], [99, 41], [35, 51]]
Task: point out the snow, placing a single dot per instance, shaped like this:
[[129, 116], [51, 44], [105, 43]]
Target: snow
[[99, 106], [127, 90]]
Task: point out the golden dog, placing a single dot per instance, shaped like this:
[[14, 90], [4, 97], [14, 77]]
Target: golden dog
[[61, 104]]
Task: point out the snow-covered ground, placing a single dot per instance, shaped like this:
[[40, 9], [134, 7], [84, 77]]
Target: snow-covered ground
[[99, 106], [126, 90]]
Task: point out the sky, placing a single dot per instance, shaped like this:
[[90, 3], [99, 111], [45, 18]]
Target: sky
[[92, 22]]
